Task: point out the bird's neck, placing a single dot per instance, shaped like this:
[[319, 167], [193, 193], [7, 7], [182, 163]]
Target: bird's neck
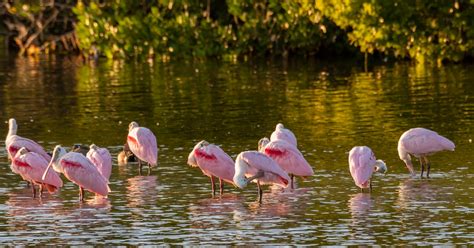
[[11, 131]]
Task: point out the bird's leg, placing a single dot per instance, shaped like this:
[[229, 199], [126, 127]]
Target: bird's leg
[[81, 194], [221, 186], [370, 186], [213, 186], [422, 167], [260, 192], [41, 190], [149, 169], [139, 167], [33, 190], [428, 164], [292, 180]]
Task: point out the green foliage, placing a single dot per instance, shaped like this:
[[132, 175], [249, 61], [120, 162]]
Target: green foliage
[[184, 28], [425, 30], [434, 30]]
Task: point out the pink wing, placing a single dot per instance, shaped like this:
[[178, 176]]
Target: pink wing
[[81, 171], [213, 161], [361, 165], [273, 174], [289, 158], [102, 159], [16, 142], [142, 143], [31, 167], [284, 134], [419, 141]]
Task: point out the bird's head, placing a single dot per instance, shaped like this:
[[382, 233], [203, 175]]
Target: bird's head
[[22, 151], [132, 125], [93, 147], [58, 153], [279, 126], [262, 143], [12, 127], [380, 166]]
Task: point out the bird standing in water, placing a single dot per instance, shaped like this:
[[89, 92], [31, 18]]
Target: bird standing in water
[[254, 165], [142, 143], [421, 142], [79, 170], [213, 162], [362, 164]]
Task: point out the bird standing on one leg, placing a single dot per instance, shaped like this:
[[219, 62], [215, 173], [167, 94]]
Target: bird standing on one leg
[[142, 143]]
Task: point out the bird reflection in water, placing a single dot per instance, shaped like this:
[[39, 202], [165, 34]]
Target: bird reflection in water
[[142, 190], [361, 227]]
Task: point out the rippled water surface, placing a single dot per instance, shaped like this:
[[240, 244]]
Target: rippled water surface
[[330, 106]]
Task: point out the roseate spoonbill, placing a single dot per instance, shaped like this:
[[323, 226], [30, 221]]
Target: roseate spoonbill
[[142, 143], [259, 166], [362, 164], [126, 155], [287, 156], [80, 170], [13, 142], [30, 166], [282, 133], [80, 149], [213, 162], [421, 142], [102, 159]]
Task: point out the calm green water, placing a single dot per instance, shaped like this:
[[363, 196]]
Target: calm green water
[[330, 106]]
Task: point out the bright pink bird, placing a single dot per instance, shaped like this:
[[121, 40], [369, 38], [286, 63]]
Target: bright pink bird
[[213, 162], [287, 156], [421, 142], [13, 142], [142, 143], [362, 164], [30, 166], [80, 170], [256, 165], [102, 159], [282, 133]]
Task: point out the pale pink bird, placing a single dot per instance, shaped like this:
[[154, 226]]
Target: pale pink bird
[[421, 142], [213, 162], [287, 156], [13, 142], [250, 165], [30, 166], [102, 159], [282, 133], [142, 143], [80, 170], [362, 164]]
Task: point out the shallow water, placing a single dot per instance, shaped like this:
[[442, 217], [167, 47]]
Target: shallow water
[[330, 106]]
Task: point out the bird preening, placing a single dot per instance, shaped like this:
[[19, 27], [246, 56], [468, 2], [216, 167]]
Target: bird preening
[[276, 161]]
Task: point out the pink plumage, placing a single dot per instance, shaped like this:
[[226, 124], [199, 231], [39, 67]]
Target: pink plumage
[[421, 142], [288, 157], [13, 142], [31, 166], [282, 133], [142, 143], [361, 165], [102, 159], [213, 161], [257, 161], [80, 170]]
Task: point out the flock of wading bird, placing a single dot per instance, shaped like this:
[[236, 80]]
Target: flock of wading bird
[[276, 162]]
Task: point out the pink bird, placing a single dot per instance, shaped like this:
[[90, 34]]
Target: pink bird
[[362, 164], [102, 159], [281, 133], [213, 162], [13, 142], [80, 170], [421, 142], [142, 143], [287, 156], [30, 166], [256, 165]]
